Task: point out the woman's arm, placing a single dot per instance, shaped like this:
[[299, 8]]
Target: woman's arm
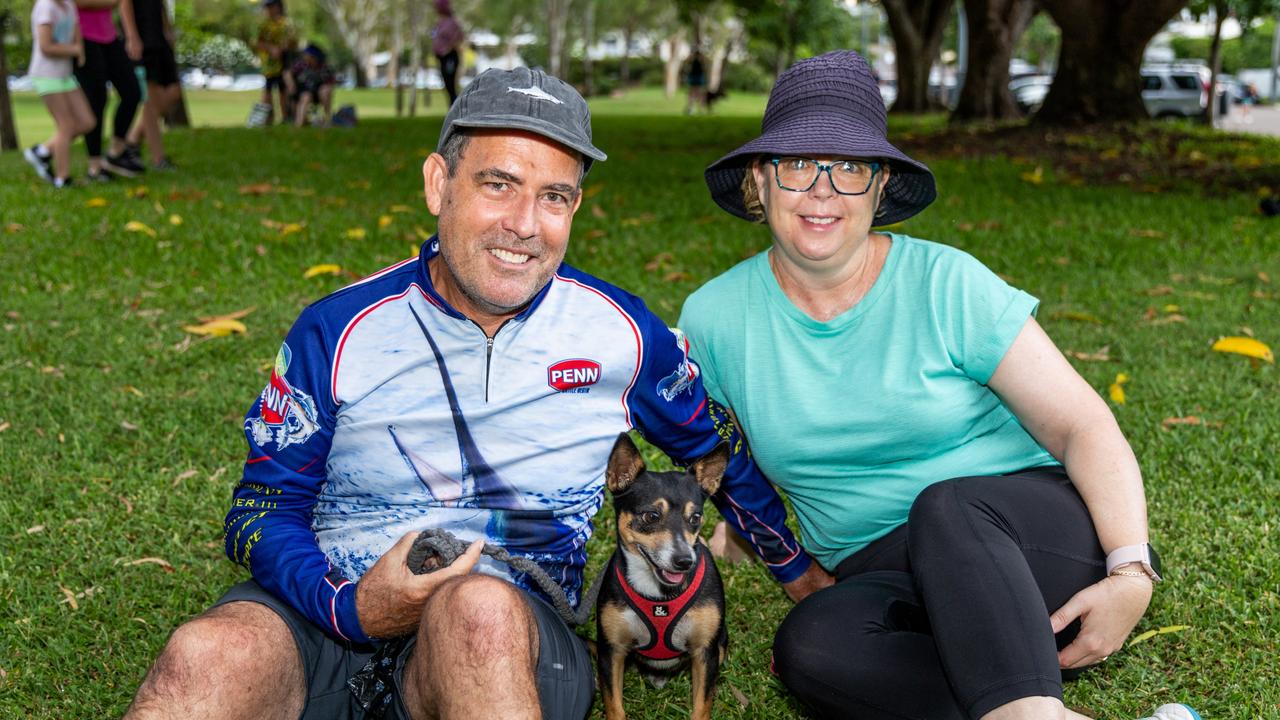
[[1068, 418], [132, 41], [44, 37]]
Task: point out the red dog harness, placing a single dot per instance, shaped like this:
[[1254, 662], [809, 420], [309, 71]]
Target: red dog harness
[[661, 616]]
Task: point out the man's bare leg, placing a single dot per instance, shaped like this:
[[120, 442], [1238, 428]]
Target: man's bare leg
[[237, 660], [476, 654]]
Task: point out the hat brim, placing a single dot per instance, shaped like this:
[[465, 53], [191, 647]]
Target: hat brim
[[533, 125], [910, 188]]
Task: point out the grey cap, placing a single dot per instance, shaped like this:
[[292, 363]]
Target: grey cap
[[524, 99]]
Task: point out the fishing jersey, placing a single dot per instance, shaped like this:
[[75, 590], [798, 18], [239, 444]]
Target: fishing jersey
[[389, 412]]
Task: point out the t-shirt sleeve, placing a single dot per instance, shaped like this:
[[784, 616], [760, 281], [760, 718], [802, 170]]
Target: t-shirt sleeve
[[289, 429], [44, 13], [979, 314]]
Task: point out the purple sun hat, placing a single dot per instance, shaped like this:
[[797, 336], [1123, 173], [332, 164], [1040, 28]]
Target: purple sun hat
[[827, 105]]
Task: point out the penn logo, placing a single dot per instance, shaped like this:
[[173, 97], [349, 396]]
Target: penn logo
[[573, 375]]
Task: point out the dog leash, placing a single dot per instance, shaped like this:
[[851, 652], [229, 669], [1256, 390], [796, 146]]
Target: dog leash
[[444, 545]]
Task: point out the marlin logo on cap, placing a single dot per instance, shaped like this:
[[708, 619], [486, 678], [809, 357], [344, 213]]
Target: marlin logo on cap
[[536, 92]]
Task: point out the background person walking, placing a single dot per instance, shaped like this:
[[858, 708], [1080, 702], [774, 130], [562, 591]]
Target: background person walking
[[446, 38], [57, 44], [108, 58], [156, 32]]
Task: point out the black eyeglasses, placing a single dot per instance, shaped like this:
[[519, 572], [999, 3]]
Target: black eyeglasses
[[848, 177]]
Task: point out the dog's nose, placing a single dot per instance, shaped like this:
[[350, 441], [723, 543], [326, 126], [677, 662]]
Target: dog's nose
[[683, 563]]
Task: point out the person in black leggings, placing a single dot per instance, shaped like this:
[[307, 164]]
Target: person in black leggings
[[921, 620], [109, 61]]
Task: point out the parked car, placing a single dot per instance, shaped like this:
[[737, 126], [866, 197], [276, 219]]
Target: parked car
[[1029, 91], [1175, 90]]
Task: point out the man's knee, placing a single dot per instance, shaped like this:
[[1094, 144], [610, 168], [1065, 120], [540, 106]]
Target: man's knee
[[240, 639], [480, 617]]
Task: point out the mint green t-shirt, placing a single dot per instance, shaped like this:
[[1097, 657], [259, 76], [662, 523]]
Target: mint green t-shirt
[[852, 418]]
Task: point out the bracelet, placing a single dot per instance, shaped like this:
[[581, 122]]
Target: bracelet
[[1130, 573]]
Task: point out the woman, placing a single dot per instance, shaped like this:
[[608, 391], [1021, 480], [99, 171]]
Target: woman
[[108, 59], [868, 368], [57, 47]]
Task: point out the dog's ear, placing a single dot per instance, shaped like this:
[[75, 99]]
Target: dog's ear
[[625, 465], [709, 468]]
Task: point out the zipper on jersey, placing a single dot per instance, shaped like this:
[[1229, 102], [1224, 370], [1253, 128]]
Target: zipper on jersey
[[488, 356]]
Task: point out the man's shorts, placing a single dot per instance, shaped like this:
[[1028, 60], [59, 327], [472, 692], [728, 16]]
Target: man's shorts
[[565, 681], [161, 67], [275, 82]]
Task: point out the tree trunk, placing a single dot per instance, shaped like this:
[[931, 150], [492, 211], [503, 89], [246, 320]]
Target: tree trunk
[[397, 48], [557, 10], [916, 26], [1215, 62], [1099, 65], [624, 65], [675, 58], [588, 39], [415, 53], [994, 28], [8, 130]]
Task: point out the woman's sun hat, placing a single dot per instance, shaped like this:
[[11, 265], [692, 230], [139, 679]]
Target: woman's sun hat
[[827, 106]]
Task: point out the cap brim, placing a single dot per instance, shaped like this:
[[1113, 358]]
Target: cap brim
[[534, 125]]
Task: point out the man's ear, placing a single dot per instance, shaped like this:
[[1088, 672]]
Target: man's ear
[[435, 175]]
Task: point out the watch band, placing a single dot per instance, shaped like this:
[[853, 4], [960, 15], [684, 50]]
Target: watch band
[[1139, 553]]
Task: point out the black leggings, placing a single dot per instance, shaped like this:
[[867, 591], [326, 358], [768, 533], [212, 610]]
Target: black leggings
[[107, 62], [948, 616], [449, 73]]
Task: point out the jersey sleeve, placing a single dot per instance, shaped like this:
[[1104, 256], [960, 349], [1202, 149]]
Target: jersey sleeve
[[979, 314], [671, 409], [289, 429]]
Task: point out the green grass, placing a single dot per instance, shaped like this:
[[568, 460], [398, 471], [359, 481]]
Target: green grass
[[121, 434], [215, 108]]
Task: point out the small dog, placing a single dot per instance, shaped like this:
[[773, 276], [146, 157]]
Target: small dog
[[661, 602]]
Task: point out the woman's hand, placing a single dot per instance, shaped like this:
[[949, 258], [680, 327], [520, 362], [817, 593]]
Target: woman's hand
[[813, 580], [1108, 611], [133, 47]]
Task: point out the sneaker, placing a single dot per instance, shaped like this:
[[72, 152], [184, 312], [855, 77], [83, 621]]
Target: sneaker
[[122, 165], [98, 177], [42, 163], [63, 183], [133, 152], [1174, 711], [164, 164]]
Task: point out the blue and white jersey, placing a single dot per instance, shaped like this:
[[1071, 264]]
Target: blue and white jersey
[[389, 412]]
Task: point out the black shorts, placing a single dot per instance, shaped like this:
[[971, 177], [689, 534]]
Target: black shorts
[[161, 67], [566, 683], [275, 81]]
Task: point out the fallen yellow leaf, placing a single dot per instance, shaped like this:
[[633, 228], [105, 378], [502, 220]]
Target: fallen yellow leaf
[[1245, 346], [1077, 316], [96, 202], [384, 221], [228, 316], [354, 234], [217, 328], [400, 209], [137, 192], [1034, 177], [1152, 633], [175, 219], [139, 227], [423, 235], [1116, 390], [291, 228], [323, 269]]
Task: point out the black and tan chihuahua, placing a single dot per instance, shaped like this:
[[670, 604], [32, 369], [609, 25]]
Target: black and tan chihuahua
[[661, 602]]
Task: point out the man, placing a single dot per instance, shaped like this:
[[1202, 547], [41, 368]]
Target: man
[[477, 388]]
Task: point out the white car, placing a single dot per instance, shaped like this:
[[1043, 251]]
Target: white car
[[1175, 90]]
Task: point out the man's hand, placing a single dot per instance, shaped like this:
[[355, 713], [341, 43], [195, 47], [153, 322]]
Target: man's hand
[[813, 580], [1108, 610], [389, 597]]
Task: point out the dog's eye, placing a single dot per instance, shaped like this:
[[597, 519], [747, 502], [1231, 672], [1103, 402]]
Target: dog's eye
[[649, 517], [695, 519]]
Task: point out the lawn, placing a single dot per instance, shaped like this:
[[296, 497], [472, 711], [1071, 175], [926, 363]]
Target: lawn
[[120, 434]]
